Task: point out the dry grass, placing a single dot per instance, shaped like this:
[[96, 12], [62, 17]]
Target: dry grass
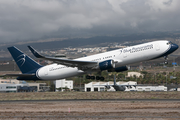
[[89, 95]]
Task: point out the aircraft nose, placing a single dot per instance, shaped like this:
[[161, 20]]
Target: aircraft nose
[[174, 46]]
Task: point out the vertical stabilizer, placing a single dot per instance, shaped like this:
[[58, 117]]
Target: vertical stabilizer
[[24, 62]]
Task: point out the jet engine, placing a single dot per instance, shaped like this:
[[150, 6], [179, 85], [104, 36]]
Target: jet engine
[[119, 69], [106, 65]]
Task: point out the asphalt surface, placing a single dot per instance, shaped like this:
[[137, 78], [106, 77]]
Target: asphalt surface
[[73, 100]]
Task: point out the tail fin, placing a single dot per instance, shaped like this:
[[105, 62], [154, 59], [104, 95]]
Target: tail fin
[[24, 62]]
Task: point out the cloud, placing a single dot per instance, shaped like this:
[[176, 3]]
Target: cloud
[[34, 19]]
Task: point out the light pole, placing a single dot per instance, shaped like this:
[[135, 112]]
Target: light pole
[[166, 78], [155, 77]]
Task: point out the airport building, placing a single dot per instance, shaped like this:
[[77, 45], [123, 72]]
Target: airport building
[[151, 88], [132, 86], [9, 81], [41, 87], [13, 85], [61, 84], [17, 88], [100, 86]]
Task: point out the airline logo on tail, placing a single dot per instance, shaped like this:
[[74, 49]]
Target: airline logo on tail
[[22, 59]]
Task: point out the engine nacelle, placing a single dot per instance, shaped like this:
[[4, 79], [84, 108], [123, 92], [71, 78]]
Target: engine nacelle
[[119, 87], [119, 69], [122, 88], [106, 65]]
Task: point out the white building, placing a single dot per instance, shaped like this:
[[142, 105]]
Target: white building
[[64, 84], [151, 88], [12, 85], [100, 86], [132, 74]]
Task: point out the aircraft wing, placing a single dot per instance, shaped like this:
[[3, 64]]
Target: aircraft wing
[[67, 62]]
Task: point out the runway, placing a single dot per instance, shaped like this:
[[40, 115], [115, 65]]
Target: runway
[[89, 117], [74, 100], [141, 109]]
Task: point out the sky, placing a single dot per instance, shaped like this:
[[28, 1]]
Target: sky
[[23, 20]]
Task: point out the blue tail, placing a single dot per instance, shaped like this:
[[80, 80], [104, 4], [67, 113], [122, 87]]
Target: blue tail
[[24, 62]]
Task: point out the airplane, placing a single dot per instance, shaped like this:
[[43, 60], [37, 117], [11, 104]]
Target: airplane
[[118, 87], [112, 61]]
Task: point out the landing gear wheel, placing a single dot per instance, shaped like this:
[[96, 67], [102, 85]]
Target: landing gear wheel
[[88, 77], [165, 62], [97, 78], [166, 58], [92, 77], [102, 78]]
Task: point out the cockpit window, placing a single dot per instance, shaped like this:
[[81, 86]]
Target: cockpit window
[[169, 43]]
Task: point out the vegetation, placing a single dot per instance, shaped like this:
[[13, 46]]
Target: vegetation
[[64, 89], [88, 95]]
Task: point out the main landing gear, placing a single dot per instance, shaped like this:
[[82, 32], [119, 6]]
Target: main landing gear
[[166, 58], [95, 77]]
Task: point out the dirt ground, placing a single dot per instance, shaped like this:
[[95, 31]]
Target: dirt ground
[[87, 110], [89, 95]]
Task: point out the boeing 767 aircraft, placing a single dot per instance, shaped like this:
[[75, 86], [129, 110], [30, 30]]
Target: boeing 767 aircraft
[[116, 61]]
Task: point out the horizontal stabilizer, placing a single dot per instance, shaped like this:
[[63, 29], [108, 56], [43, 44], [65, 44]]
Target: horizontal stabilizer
[[19, 75]]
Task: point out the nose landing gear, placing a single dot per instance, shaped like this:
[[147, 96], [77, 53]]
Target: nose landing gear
[[166, 58]]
